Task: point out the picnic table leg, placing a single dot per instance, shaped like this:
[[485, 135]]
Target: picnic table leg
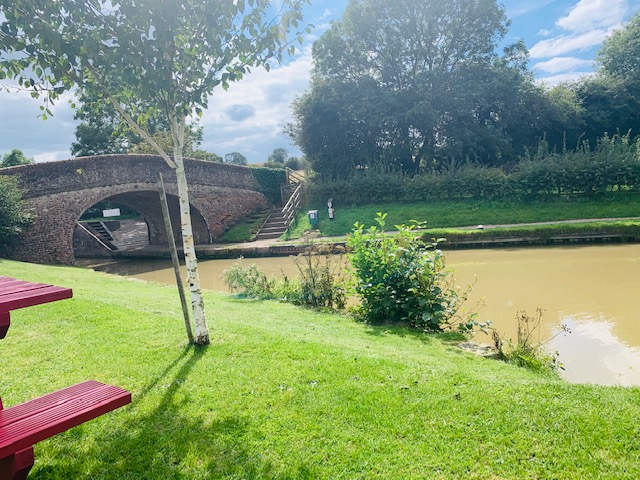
[[17, 466], [5, 321]]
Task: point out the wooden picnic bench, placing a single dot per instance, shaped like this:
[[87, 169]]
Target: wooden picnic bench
[[21, 426]]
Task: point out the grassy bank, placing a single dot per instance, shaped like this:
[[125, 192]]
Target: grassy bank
[[289, 393], [628, 229], [458, 214]]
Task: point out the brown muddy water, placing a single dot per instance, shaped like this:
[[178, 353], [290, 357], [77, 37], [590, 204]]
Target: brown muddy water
[[594, 291]]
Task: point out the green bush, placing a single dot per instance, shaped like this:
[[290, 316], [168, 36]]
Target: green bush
[[320, 283], [14, 217], [402, 279], [251, 282]]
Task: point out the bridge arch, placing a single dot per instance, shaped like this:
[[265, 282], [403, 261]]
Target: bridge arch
[[59, 193]]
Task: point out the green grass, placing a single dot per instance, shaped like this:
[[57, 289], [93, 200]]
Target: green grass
[[289, 393], [627, 228], [243, 232], [458, 214]]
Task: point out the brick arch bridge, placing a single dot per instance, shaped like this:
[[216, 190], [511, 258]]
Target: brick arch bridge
[[60, 192]]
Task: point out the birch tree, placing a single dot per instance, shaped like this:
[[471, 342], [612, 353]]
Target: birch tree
[[171, 54]]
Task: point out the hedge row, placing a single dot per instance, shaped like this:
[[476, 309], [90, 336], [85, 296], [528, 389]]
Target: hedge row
[[587, 176], [268, 182]]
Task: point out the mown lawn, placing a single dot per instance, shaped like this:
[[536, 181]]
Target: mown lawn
[[287, 393], [458, 213]]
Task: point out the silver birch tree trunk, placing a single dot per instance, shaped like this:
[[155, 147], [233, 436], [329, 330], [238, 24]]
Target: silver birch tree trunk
[[193, 278]]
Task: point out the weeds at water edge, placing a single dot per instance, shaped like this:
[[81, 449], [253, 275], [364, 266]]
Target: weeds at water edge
[[529, 350]]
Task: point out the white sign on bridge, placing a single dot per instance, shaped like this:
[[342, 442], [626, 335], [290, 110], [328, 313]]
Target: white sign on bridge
[[112, 212]]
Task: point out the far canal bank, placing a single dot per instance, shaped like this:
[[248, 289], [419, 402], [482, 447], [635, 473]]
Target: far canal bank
[[574, 232]]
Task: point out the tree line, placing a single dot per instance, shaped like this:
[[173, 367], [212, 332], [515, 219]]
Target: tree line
[[419, 85]]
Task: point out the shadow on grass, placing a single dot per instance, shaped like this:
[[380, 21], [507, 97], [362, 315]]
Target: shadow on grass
[[165, 442], [410, 332]]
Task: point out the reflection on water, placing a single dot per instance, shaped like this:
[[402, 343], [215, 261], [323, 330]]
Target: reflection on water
[[593, 290], [591, 353]]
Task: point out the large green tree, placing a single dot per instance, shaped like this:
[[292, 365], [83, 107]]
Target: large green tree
[[102, 129], [414, 84], [171, 54], [235, 158], [611, 99]]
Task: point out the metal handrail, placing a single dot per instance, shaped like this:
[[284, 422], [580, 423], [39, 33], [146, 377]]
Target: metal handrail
[[293, 204]]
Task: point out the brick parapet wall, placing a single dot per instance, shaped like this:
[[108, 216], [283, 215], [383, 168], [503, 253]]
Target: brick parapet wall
[[88, 172]]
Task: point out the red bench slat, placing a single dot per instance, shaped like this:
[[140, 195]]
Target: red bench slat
[[36, 296], [31, 422], [36, 405]]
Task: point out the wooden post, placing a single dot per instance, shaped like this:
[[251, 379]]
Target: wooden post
[[174, 258]]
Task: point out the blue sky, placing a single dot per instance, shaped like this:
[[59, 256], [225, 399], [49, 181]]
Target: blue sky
[[561, 35]]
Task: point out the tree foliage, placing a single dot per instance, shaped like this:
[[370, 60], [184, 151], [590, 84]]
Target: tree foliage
[[414, 84], [15, 157], [279, 155], [14, 217], [103, 131], [611, 99], [235, 158], [190, 148]]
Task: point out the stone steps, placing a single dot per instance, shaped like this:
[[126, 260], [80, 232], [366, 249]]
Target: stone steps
[[274, 227], [100, 230]]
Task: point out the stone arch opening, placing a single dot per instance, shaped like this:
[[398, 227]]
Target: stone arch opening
[[147, 229]]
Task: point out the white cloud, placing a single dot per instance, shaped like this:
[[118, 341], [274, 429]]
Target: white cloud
[[269, 94], [588, 15], [568, 43], [328, 12], [553, 80], [21, 128], [562, 64], [51, 156]]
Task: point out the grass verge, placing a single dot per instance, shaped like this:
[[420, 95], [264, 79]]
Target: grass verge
[[243, 232], [457, 214], [623, 228], [284, 392]]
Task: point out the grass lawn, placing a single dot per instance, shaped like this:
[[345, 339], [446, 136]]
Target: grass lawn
[[459, 214], [288, 393]]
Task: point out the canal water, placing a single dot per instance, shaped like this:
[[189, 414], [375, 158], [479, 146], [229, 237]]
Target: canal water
[[593, 291]]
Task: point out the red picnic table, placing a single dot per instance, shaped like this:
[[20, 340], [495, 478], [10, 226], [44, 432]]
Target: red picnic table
[[23, 425]]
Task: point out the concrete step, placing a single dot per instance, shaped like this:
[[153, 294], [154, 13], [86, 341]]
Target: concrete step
[[274, 229], [269, 235], [102, 233]]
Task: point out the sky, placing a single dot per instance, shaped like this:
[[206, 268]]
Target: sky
[[562, 37]]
